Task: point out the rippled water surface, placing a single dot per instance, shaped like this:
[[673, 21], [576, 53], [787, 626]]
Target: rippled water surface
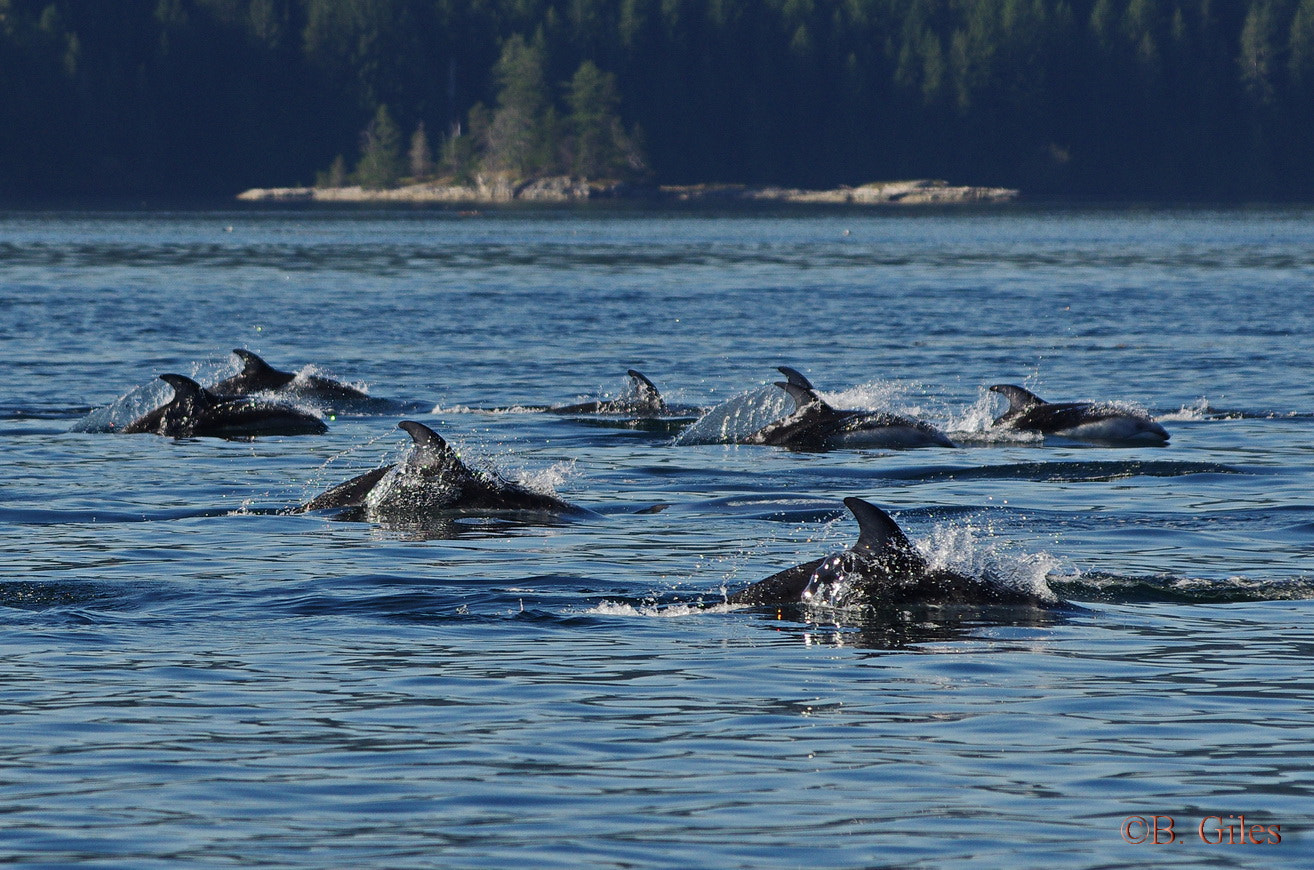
[[194, 677]]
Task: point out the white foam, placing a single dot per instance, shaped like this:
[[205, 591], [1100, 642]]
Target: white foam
[[1197, 410], [873, 396], [977, 421], [972, 551], [303, 377], [547, 480], [737, 418], [663, 611]]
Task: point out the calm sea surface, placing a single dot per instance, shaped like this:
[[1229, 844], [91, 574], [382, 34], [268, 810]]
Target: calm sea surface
[[193, 678]]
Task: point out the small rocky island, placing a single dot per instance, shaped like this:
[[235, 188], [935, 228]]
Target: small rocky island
[[495, 190]]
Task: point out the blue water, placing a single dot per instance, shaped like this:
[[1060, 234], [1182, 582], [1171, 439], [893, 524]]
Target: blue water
[[193, 678]]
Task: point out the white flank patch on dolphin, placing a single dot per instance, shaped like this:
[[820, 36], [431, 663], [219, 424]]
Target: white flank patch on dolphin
[[1111, 429]]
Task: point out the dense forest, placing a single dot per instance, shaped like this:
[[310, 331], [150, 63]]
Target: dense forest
[[1189, 99]]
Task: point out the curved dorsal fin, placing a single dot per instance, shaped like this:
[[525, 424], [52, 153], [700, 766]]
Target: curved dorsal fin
[[878, 534], [646, 391], [184, 388], [1019, 399], [252, 364], [430, 448], [804, 397], [795, 377]]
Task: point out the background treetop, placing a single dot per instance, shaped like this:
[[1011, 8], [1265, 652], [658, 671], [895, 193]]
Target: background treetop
[[1148, 98]]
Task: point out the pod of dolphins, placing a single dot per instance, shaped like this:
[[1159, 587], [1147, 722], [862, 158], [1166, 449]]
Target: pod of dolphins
[[881, 570]]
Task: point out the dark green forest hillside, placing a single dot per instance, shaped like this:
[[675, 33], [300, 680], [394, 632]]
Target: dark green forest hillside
[[1196, 99]]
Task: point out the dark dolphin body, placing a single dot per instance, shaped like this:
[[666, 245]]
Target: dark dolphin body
[[882, 570], [1086, 421], [815, 425], [325, 394], [433, 482], [197, 412], [642, 400], [258, 376]]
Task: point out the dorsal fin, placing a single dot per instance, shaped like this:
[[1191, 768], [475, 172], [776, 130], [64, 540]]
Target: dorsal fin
[[878, 534], [795, 377], [430, 448], [804, 397], [646, 391], [184, 388], [253, 365], [1018, 398]]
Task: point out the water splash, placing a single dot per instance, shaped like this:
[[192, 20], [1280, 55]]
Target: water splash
[[977, 421], [144, 398], [305, 377], [973, 551], [1198, 410], [737, 418], [549, 480], [659, 611]]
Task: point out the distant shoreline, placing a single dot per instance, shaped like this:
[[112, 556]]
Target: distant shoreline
[[561, 189]]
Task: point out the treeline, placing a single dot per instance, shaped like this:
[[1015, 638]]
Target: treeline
[[1198, 99], [522, 137]]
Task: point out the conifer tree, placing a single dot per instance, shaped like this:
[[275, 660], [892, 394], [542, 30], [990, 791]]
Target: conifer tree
[[421, 155], [380, 163], [518, 138], [593, 123]]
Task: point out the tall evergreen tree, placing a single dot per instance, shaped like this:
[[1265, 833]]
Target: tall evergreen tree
[[599, 145], [380, 163], [420, 155], [518, 138]]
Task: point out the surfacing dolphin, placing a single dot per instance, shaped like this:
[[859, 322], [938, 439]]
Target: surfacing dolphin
[[326, 394], [882, 570], [197, 412], [641, 401], [815, 425], [433, 482], [258, 376], [1083, 421]]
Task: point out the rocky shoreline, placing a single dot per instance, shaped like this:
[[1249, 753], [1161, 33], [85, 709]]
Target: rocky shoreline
[[562, 189]]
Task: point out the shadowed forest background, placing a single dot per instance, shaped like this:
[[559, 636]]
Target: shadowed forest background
[[1181, 99]]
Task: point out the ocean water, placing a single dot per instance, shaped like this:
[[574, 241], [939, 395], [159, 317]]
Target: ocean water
[[194, 677]]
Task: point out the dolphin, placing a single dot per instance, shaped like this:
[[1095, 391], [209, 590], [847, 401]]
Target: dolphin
[[815, 425], [433, 482], [1086, 421], [258, 376], [881, 570], [642, 401], [195, 411]]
